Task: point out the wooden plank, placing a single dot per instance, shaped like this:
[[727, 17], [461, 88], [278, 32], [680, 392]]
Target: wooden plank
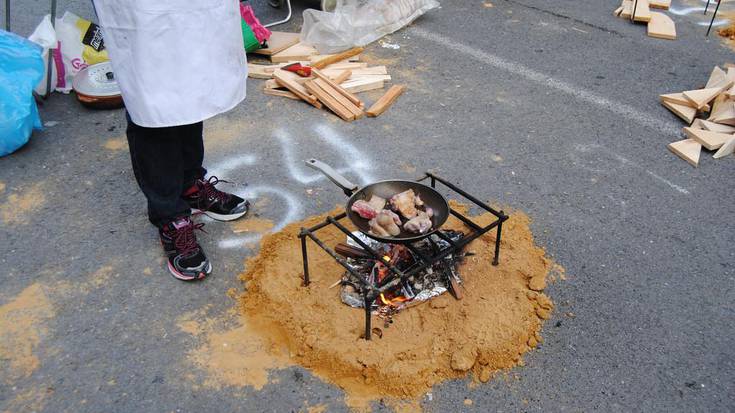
[[617, 11], [715, 127], [727, 149], [277, 42], [345, 65], [297, 52], [659, 4], [287, 80], [687, 149], [661, 26], [342, 76], [679, 99], [315, 58], [386, 100], [256, 71], [329, 101], [322, 63], [717, 76], [339, 97], [685, 112], [374, 70], [352, 98], [641, 11], [708, 139], [701, 97], [356, 86], [282, 93]]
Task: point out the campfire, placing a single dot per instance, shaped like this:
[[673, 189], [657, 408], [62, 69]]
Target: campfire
[[429, 282], [386, 274]]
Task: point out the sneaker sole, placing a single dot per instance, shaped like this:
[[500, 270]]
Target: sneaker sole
[[221, 217], [182, 277]]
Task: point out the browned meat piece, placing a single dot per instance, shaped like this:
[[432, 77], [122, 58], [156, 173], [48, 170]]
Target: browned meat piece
[[377, 202], [364, 209], [420, 224], [384, 224], [386, 220], [393, 215], [405, 203]]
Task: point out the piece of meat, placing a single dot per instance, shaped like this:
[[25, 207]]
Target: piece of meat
[[376, 229], [404, 203], [421, 223], [364, 209], [386, 220], [418, 201], [429, 212], [377, 202], [393, 215]]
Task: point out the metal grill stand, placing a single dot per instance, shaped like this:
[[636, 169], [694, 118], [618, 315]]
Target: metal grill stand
[[424, 261]]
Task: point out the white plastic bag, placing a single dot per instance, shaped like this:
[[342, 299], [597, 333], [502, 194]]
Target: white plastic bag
[[81, 45], [359, 22], [45, 36]]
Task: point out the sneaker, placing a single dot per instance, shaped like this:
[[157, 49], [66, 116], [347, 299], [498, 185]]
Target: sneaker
[[216, 204], [186, 259]]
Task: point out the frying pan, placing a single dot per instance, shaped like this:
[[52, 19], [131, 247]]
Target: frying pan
[[386, 189]]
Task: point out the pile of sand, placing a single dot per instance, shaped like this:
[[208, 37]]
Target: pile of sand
[[498, 320]]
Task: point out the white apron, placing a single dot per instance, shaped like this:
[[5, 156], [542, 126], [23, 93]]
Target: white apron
[[177, 61]]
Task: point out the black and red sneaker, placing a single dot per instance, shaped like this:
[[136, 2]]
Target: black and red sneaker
[[186, 259], [216, 204]]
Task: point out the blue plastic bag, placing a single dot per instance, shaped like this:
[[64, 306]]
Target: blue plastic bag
[[21, 68]]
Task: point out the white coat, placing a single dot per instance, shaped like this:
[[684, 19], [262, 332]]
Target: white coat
[[177, 62]]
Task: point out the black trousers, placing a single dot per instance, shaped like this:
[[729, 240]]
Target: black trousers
[[166, 162]]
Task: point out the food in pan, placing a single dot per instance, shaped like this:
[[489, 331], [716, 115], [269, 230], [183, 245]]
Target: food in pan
[[384, 222]]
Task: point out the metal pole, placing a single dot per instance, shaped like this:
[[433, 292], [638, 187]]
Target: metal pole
[[304, 257], [49, 69], [7, 15], [713, 17], [497, 243], [706, 7], [635, 6], [368, 315]]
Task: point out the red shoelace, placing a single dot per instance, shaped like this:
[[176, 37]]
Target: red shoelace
[[206, 187]]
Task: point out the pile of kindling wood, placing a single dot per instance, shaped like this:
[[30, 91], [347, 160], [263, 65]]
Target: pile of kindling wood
[[716, 132], [334, 79]]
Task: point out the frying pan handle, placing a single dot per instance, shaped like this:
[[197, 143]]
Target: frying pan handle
[[333, 176]]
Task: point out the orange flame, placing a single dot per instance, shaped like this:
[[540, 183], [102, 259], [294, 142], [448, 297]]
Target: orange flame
[[394, 301]]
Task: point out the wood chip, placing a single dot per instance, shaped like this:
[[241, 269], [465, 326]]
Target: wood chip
[[708, 139], [362, 85], [685, 112], [717, 76], [386, 100], [687, 149], [344, 75], [727, 149], [701, 97], [659, 4], [679, 99], [661, 26], [715, 127], [641, 11]]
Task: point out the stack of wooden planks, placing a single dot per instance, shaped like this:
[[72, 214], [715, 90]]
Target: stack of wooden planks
[[334, 82], [659, 24], [715, 129]]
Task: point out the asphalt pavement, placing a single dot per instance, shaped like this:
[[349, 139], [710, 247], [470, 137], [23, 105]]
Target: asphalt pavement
[[549, 107]]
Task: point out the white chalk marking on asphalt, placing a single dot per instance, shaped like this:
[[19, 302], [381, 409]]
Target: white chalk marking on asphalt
[[220, 169], [626, 111], [625, 161], [359, 162], [621, 109], [683, 12], [293, 212]]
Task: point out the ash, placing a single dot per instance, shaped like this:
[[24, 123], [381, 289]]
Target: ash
[[436, 279]]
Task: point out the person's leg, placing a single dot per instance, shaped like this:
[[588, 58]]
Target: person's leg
[[158, 165], [201, 194], [193, 153], [157, 156]]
